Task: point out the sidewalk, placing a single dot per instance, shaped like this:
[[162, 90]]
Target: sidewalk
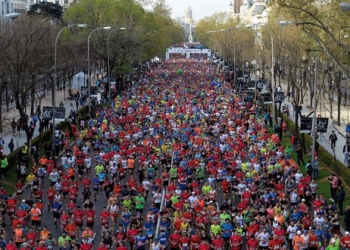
[[20, 139], [325, 107]]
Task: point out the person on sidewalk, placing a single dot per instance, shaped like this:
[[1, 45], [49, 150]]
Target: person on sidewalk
[[299, 151], [346, 151], [309, 168], [333, 182], [34, 120], [333, 139], [315, 168], [11, 145], [341, 197], [4, 166], [13, 126], [2, 141]]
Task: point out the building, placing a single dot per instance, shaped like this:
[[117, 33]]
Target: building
[[63, 3], [22, 6], [235, 6], [249, 11], [187, 15], [8, 6], [187, 22]]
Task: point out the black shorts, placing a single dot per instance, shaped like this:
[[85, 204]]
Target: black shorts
[[35, 223], [78, 225], [56, 215]]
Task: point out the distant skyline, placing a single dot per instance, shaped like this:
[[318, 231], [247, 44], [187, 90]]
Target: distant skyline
[[200, 8]]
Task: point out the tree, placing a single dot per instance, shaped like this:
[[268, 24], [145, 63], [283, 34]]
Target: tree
[[143, 29], [47, 10], [326, 24], [26, 46]]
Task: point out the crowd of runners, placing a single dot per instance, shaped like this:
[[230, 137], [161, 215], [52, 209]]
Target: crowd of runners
[[185, 162]]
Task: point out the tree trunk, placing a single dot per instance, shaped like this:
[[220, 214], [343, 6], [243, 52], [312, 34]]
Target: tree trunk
[[1, 125], [32, 101], [339, 99], [7, 100], [21, 103]]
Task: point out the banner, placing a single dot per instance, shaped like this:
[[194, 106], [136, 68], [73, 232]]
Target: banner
[[84, 91], [260, 85], [279, 97], [322, 125], [94, 91], [267, 98], [305, 125], [47, 113], [60, 113], [251, 85]]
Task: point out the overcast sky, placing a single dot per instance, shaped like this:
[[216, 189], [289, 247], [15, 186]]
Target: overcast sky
[[200, 8]]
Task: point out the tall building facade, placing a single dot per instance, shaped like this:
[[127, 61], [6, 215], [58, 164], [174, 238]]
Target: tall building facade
[[63, 3], [237, 6]]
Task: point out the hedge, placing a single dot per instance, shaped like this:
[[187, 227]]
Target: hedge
[[46, 136], [323, 155]]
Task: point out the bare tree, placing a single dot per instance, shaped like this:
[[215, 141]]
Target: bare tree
[[26, 44]]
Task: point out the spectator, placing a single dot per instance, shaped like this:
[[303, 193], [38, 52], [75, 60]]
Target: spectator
[[333, 139], [11, 145]]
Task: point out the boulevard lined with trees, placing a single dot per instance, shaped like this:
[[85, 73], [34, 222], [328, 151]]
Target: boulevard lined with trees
[[27, 45], [302, 31]]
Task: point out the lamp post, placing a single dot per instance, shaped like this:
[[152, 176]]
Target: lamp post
[[256, 53], [345, 6], [108, 69], [11, 15], [243, 65], [314, 119], [55, 75], [272, 79], [234, 57], [89, 74]]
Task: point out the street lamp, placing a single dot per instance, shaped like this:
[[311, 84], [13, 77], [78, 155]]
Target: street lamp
[[256, 54], [272, 79], [11, 15], [345, 6], [108, 69], [243, 66], [55, 75], [234, 57], [89, 75]]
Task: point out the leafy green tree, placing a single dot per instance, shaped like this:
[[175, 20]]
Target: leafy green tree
[[143, 29]]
